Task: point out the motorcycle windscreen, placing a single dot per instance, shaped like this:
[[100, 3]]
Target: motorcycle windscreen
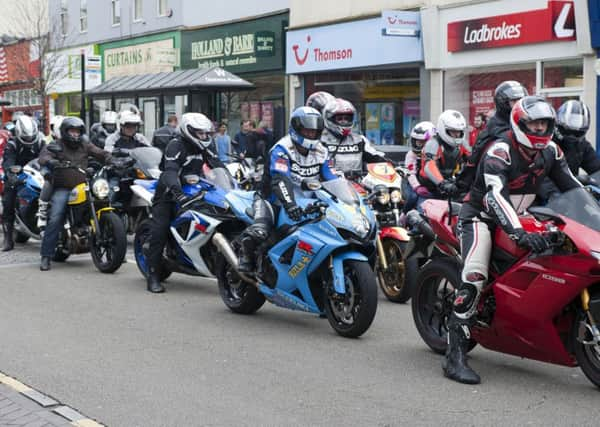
[[220, 178], [147, 159], [343, 190], [579, 205]]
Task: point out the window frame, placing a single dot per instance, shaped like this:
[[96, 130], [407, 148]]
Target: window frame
[[64, 18], [139, 18], [166, 11], [83, 16]]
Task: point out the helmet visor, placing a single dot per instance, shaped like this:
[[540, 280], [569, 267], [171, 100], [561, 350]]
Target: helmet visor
[[110, 127], [310, 122], [539, 111], [344, 120], [27, 138]]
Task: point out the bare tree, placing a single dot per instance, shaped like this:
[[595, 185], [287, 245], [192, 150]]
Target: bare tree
[[46, 66]]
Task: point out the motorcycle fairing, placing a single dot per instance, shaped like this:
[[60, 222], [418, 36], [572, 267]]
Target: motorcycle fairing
[[78, 194], [396, 233]]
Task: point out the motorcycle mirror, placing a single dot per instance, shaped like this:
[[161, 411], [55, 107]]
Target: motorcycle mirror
[[310, 185]]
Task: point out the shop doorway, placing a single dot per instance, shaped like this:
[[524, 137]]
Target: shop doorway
[[150, 115]]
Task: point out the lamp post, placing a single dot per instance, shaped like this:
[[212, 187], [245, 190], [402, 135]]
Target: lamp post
[[83, 112]]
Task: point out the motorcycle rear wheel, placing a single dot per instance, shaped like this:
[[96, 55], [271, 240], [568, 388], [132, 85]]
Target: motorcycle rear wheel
[[588, 356], [396, 284], [141, 242], [432, 302], [239, 296], [352, 313], [109, 255]]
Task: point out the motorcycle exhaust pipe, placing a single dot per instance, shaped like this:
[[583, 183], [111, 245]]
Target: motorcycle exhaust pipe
[[226, 250], [20, 226]]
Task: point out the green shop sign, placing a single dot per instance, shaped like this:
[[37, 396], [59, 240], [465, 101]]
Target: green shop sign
[[241, 47]]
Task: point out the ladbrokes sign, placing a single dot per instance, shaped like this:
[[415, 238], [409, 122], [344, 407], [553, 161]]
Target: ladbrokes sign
[[555, 23]]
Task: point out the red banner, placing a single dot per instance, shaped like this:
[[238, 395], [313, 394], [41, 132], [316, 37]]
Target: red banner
[[556, 22]]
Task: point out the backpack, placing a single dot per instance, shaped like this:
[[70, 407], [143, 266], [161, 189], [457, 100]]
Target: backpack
[[466, 176]]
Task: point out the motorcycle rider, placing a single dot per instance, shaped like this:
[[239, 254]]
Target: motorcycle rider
[[295, 157], [75, 150], [443, 156], [506, 183], [20, 150], [107, 126], [186, 154], [128, 136], [506, 95], [419, 135], [318, 100], [347, 150]]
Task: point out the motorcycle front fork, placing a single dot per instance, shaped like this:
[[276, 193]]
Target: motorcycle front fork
[[592, 327], [381, 254]]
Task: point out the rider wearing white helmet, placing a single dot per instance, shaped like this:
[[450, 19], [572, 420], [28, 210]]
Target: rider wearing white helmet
[[128, 136]]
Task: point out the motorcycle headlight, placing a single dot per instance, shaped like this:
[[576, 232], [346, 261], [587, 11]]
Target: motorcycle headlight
[[383, 195], [360, 226], [396, 196], [100, 188]]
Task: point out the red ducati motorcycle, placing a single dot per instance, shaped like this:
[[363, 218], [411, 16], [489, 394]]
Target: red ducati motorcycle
[[544, 307]]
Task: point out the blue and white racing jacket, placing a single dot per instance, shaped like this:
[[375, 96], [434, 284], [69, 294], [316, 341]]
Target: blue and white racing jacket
[[351, 152]]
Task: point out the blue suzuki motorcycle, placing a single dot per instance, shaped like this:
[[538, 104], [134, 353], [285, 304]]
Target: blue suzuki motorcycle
[[318, 265], [190, 248], [28, 193]]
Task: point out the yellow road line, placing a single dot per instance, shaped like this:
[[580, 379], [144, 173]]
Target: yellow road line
[[14, 384]]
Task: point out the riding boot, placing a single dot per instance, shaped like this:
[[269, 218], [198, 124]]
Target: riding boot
[[153, 282], [45, 263], [9, 244], [247, 262], [42, 215], [455, 364]]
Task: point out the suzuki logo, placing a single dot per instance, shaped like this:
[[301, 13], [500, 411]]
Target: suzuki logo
[[300, 60], [559, 26]]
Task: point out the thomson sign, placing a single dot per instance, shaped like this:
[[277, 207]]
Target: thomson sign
[[555, 23], [350, 45]]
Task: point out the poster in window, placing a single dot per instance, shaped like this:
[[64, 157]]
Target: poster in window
[[372, 116], [267, 114], [411, 115], [387, 123], [374, 136], [255, 112]]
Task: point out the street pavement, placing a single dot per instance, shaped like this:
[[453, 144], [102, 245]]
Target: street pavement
[[124, 357]]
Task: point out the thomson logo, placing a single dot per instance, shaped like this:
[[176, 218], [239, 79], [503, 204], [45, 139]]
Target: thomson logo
[[319, 55], [487, 34], [301, 59]]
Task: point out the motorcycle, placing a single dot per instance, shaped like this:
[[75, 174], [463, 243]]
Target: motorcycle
[[544, 307], [139, 163], [91, 225], [246, 171], [189, 249], [317, 265], [30, 182], [395, 274]]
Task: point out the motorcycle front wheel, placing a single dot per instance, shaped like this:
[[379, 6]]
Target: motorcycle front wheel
[[397, 282], [141, 245], [587, 355], [351, 314], [432, 302], [109, 244]]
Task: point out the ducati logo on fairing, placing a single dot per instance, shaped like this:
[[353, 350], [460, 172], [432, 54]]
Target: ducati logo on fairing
[[554, 279]]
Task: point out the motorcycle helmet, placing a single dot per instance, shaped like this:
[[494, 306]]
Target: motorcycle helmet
[[533, 109], [338, 116], [26, 130], [55, 126], [197, 129], [109, 121], [306, 126], [318, 100], [72, 139], [420, 134], [452, 121], [128, 118], [506, 92], [572, 121]]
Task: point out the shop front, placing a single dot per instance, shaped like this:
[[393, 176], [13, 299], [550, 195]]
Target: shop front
[[594, 22], [65, 89], [374, 63], [538, 43], [158, 53], [253, 50]]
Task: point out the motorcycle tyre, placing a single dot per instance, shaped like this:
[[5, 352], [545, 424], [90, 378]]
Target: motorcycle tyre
[[119, 248], [411, 268], [436, 267], [252, 300], [21, 237], [367, 288], [590, 368], [141, 234]]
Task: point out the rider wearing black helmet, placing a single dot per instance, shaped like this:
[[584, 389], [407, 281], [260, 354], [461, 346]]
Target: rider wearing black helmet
[[75, 149], [506, 95]]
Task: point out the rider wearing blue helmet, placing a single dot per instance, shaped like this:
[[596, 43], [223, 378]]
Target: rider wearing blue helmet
[[295, 157]]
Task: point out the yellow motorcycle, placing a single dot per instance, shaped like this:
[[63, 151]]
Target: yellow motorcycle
[[92, 225]]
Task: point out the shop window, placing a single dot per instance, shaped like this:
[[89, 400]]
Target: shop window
[[99, 106], [60, 106], [83, 25], [116, 12], [471, 91], [120, 102], [174, 105], [563, 74], [387, 102], [75, 103]]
